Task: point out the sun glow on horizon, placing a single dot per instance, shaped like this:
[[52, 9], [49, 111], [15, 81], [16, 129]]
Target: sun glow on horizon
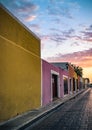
[[87, 73]]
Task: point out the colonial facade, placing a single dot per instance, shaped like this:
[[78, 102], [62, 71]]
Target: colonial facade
[[74, 81], [20, 67], [50, 83], [55, 82]]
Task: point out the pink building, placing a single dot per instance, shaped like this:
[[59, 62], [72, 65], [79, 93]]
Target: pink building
[[64, 77], [54, 83]]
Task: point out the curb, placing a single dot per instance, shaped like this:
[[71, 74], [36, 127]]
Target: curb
[[30, 122], [13, 124]]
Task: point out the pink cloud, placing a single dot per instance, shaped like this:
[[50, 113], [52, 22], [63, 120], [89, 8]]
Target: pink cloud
[[81, 58], [30, 18]]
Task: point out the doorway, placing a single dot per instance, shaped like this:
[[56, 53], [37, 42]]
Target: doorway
[[65, 80], [54, 86], [73, 84], [70, 85]]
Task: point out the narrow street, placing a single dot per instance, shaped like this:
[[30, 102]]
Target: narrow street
[[75, 114]]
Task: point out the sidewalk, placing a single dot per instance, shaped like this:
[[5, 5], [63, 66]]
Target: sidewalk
[[21, 121]]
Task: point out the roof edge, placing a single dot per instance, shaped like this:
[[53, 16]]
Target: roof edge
[[15, 18]]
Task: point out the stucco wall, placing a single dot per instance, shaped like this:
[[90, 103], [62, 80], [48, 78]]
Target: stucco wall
[[20, 68], [73, 75], [14, 31], [46, 81], [62, 73]]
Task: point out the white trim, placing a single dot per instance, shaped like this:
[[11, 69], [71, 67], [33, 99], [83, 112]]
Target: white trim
[[70, 91], [58, 84], [65, 76], [54, 72], [51, 87]]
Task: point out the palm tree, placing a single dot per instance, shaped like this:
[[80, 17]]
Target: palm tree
[[78, 70]]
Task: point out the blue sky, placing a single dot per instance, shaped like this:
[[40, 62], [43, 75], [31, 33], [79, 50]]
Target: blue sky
[[64, 27]]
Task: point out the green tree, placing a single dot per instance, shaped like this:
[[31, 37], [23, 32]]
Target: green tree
[[78, 70]]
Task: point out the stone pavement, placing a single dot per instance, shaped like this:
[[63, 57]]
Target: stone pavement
[[34, 115]]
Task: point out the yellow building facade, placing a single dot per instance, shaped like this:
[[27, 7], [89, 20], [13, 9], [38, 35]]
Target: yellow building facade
[[20, 67]]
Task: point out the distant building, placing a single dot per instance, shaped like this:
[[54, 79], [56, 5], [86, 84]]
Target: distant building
[[62, 65], [73, 79], [86, 82]]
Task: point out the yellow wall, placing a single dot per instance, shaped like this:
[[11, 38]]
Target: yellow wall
[[20, 68]]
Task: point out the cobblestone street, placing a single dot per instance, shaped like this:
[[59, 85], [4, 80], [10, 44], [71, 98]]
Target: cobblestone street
[[75, 114]]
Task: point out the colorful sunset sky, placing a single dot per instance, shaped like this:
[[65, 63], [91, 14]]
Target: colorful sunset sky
[[64, 27]]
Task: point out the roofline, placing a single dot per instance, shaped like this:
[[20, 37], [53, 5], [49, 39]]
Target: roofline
[[61, 62], [15, 18]]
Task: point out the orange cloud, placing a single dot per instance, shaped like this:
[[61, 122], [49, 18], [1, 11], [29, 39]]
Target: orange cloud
[[81, 58]]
